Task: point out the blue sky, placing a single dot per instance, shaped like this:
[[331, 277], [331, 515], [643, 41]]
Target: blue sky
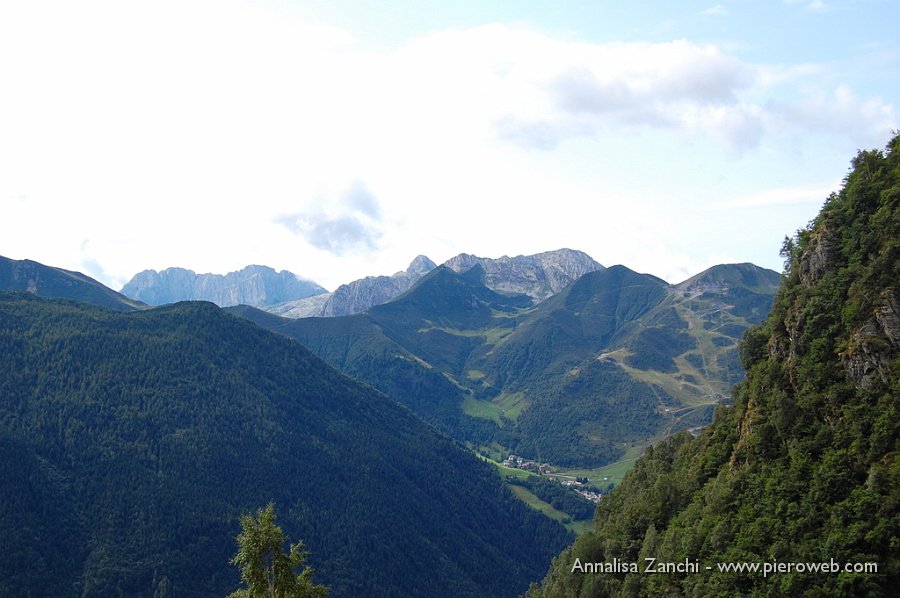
[[339, 139]]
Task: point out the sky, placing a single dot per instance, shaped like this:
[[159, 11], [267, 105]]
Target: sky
[[338, 139]]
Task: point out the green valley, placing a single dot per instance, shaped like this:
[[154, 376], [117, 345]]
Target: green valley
[[615, 359]]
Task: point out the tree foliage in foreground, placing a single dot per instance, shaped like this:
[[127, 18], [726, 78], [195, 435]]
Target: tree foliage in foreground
[[266, 569]]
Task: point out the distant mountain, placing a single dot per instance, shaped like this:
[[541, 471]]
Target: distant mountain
[[48, 281], [357, 296], [616, 358], [131, 443], [253, 285], [801, 476], [539, 276]]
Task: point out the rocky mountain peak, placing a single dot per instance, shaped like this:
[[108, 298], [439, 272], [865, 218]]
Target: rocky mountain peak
[[538, 276], [357, 296], [420, 266]]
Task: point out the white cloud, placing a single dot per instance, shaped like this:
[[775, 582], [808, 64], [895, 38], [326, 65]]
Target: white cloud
[[841, 112], [717, 10], [546, 90], [217, 126], [349, 223], [806, 194]]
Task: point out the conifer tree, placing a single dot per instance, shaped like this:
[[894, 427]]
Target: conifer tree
[[265, 568]]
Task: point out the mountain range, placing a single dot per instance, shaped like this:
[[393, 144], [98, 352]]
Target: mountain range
[[610, 361], [285, 294], [253, 285], [615, 358]]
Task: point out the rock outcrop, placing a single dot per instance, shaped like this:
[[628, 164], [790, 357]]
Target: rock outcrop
[[873, 345]]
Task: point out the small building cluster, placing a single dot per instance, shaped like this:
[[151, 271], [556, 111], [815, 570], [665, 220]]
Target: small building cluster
[[516, 462], [576, 486], [594, 497]]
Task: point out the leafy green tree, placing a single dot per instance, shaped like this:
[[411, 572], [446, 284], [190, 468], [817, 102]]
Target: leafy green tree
[[265, 568]]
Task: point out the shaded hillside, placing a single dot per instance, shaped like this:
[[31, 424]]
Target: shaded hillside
[[48, 281], [615, 358], [132, 443], [805, 468]]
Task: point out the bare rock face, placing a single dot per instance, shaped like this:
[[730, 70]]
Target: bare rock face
[[874, 344], [300, 308], [539, 276], [819, 258], [357, 296], [888, 317], [253, 285]]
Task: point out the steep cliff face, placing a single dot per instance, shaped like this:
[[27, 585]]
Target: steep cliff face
[[539, 276], [868, 356], [805, 468], [253, 285]]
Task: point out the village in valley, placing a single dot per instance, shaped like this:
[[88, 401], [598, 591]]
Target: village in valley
[[544, 469]]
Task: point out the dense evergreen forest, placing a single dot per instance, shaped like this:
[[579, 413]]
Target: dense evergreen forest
[[132, 443], [805, 468]]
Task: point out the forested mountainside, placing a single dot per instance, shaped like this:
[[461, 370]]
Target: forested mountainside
[[613, 359], [253, 285], [49, 281], [132, 443], [805, 467]]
